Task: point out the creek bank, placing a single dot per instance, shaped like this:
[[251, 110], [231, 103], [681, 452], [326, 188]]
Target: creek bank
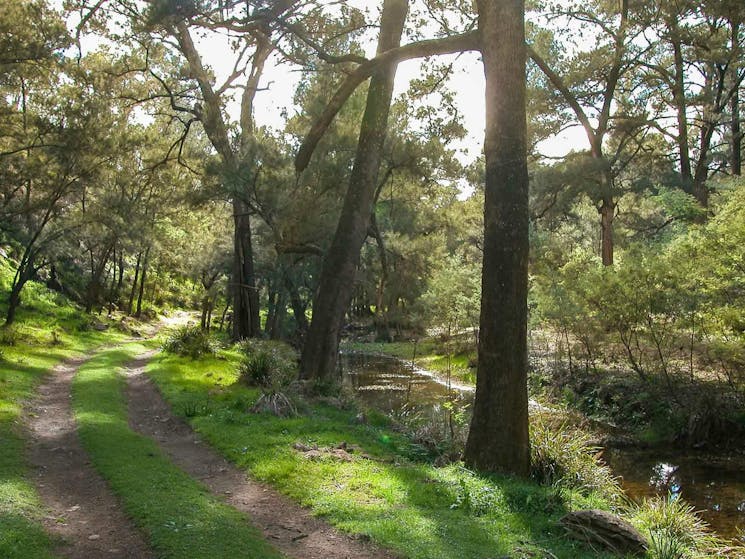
[[710, 480]]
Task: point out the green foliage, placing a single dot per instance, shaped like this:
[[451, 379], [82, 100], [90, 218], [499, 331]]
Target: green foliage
[[190, 341], [671, 313], [452, 299], [564, 457]]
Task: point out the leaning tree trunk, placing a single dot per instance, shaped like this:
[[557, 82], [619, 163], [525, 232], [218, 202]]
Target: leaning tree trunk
[[498, 438], [339, 266]]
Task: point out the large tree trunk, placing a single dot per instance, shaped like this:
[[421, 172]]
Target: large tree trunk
[[339, 267], [498, 438], [246, 322]]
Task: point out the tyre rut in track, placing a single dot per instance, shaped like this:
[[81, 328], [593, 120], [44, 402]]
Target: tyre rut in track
[[82, 510]]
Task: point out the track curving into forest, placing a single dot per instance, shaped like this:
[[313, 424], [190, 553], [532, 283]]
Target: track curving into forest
[[286, 525], [82, 510]]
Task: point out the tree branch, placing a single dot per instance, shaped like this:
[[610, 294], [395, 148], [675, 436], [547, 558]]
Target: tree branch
[[419, 49]]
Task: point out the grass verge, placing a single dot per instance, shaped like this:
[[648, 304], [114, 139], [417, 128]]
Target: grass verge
[[414, 508], [180, 516]]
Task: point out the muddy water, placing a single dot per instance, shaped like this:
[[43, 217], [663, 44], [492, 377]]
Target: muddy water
[[712, 484]]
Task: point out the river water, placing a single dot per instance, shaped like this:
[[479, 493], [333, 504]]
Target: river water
[[713, 484]]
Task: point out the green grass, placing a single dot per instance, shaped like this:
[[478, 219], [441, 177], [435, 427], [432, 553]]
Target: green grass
[[414, 508], [182, 519], [47, 331], [430, 354]]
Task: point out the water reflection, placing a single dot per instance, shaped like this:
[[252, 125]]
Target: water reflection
[[714, 485], [392, 385]]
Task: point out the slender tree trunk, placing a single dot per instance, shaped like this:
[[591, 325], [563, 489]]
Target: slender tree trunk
[[205, 311], [97, 283], [271, 312], [736, 135], [679, 97], [224, 312], [14, 301], [607, 214], [135, 281], [339, 267], [498, 438], [381, 312], [298, 307], [736, 126], [119, 281], [143, 278]]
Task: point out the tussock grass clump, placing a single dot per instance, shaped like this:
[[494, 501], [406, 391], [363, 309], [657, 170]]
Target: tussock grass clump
[[564, 457], [271, 366], [267, 364], [190, 341], [674, 529]]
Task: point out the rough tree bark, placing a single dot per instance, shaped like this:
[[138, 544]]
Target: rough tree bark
[[498, 438], [336, 284]]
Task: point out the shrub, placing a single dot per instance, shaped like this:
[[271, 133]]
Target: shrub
[[271, 366], [9, 335], [190, 341], [564, 457]]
